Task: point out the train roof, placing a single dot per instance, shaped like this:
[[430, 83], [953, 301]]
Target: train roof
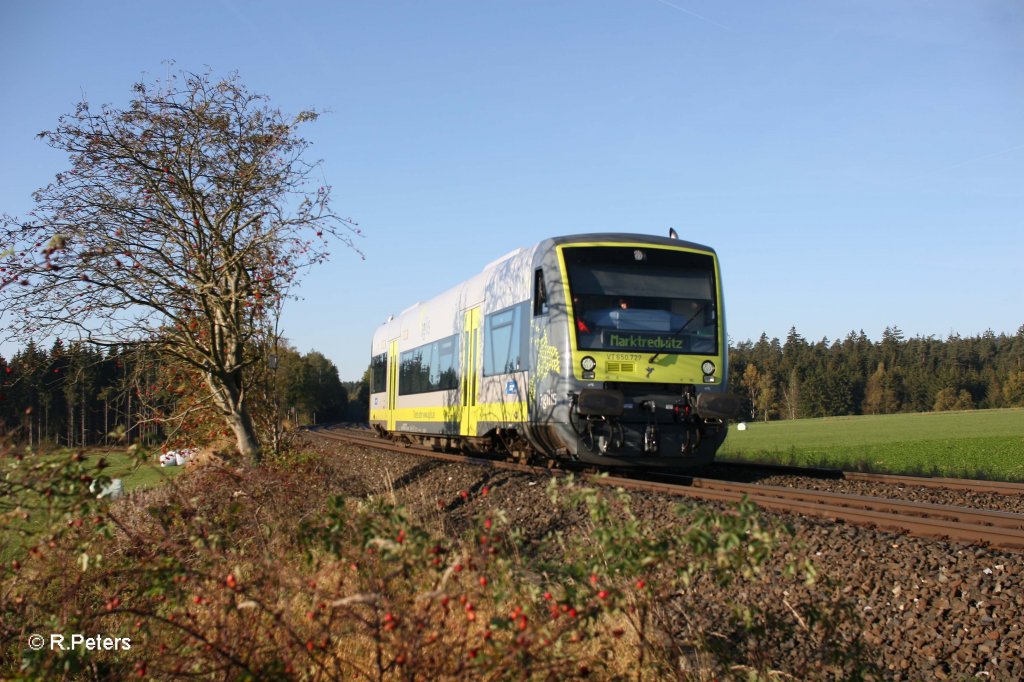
[[527, 253], [626, 237]]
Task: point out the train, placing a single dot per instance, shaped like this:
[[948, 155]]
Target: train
[[604, 349]]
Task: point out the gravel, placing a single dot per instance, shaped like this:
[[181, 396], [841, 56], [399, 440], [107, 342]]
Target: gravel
[[927, 609]]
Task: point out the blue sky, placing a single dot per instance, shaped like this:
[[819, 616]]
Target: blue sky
[[856, 164]]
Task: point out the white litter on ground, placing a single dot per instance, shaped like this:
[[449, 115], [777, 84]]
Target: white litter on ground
[[178, 458]]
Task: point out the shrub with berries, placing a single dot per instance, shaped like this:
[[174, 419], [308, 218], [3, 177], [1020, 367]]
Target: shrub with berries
[[268, 572]]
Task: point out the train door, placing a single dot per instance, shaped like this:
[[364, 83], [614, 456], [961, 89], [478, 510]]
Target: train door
[[392, 384], [470, 370]]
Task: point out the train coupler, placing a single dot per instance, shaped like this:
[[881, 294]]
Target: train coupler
[[651, 441]]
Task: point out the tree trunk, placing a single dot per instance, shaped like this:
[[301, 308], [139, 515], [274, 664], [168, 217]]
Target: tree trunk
[[228, 396], [245, 434], [130, 417], [84, 418]]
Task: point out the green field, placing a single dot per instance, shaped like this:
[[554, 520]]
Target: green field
[[16, 534], [132, 474], [972, 444]]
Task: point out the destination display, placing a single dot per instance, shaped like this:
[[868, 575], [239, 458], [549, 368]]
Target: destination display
[[643, 341]]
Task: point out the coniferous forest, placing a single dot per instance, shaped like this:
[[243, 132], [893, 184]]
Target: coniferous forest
[[797, 378], [72, 394], [75, 395]]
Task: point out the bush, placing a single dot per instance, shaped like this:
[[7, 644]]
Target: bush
[[268, 572]]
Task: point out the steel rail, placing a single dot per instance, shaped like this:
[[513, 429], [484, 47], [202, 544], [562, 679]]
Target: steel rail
[[974, 485], [999, 529], [969, 484], [852, 501]]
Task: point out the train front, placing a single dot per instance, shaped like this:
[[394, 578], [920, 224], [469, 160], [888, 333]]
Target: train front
[[643, 381]]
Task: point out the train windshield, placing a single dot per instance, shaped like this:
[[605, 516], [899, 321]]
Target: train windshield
[[643, 299]]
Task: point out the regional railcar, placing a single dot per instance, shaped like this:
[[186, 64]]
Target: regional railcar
[[608, 349]]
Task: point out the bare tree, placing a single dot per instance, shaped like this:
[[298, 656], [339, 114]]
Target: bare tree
[[182, 222]]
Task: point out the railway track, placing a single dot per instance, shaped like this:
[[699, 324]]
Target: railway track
[[1004, 530], [973, 485]]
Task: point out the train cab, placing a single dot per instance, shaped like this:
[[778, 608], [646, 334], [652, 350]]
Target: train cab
[[645, 379]]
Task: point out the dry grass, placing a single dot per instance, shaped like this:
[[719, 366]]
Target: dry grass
[[289, 570]]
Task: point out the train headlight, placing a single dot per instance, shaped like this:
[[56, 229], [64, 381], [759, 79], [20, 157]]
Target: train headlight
[[708, 367], [588, 364]]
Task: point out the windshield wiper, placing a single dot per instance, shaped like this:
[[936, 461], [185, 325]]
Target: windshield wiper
[[680, 330]]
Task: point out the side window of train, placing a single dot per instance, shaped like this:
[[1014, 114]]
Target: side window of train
[[505, 340], [540, 294], [379, 373], [430, 367]]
